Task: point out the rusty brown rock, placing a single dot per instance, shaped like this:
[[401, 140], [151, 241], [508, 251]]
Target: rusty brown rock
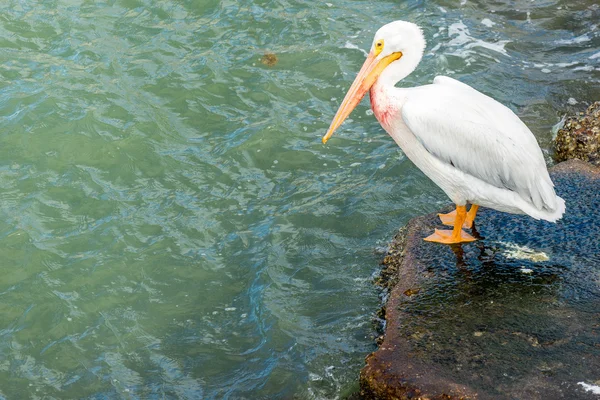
[[495, 319]]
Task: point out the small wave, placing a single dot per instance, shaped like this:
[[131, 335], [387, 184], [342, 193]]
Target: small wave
[[461, 37], [576, 40], [349, 45]]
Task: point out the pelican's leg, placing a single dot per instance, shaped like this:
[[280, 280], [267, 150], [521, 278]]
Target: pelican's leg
[[448, 219], [456, 235], [471, 216]]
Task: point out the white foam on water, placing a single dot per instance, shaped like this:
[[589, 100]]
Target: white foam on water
[[590, 388], [488, 22], [587, 68], [497, 47], [436, 48], [349, 45], [462, 34], [527, 271], [462, 38], [594, 56], [515, 251], [547, 67], [563, 65], [576, 40]]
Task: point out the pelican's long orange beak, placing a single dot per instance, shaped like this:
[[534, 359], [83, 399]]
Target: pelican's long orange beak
[[366, 77]]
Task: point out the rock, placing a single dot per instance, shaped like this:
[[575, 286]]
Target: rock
[[513, 315], [579, 138], [269, 59]]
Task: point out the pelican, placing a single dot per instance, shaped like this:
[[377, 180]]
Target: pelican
[[474, 148]]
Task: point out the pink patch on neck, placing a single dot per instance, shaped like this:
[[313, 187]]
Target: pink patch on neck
[[380, 106]]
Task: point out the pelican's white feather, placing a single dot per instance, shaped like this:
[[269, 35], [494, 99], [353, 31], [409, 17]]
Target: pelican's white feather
[[479, 136]]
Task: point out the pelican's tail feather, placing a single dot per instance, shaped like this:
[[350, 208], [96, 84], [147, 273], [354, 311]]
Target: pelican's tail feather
[[546, 214], [558, 211]]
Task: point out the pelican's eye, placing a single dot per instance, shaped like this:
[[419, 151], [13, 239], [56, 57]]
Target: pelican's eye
[[378, 47]]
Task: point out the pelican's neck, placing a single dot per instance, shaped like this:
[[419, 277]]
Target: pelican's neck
[[386, 99], [387, 102]]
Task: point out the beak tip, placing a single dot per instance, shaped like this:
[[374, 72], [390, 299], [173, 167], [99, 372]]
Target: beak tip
[[327, 136]]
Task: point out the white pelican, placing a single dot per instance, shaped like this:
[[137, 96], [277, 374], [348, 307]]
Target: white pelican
[[474, 148]]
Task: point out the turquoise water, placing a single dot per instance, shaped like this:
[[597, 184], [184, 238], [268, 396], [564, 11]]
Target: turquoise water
[[171, 225]]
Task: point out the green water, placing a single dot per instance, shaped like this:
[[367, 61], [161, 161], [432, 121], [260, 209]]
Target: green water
[[171, 225]]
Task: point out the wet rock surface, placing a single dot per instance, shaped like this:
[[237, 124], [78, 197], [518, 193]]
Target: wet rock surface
[[515, 315], [579, 138]]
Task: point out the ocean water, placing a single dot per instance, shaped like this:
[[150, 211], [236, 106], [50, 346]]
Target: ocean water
[[171, 225]]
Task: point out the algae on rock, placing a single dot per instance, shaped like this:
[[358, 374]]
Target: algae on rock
[[579, 138]]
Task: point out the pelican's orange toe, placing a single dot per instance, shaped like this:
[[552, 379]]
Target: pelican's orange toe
[[448, 219], [449, 237]]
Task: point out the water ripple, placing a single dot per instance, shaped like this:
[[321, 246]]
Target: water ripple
[[172, 225]]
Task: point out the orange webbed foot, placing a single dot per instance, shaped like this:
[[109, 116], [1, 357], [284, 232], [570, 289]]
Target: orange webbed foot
[[448, 219], [449, 237]]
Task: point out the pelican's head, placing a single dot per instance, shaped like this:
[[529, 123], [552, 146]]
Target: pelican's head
[[392, 42], [399, 36]]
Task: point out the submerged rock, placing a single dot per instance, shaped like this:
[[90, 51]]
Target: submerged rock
[[579, 138], [514, 315], [269, 59]]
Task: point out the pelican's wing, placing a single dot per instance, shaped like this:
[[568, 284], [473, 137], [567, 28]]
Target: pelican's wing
[[446, 80], [479, 136]]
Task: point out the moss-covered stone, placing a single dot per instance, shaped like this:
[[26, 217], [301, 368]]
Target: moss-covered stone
[[579, 138]]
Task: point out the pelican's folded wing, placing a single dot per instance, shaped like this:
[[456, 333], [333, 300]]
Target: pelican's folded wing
[[480, 137]]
